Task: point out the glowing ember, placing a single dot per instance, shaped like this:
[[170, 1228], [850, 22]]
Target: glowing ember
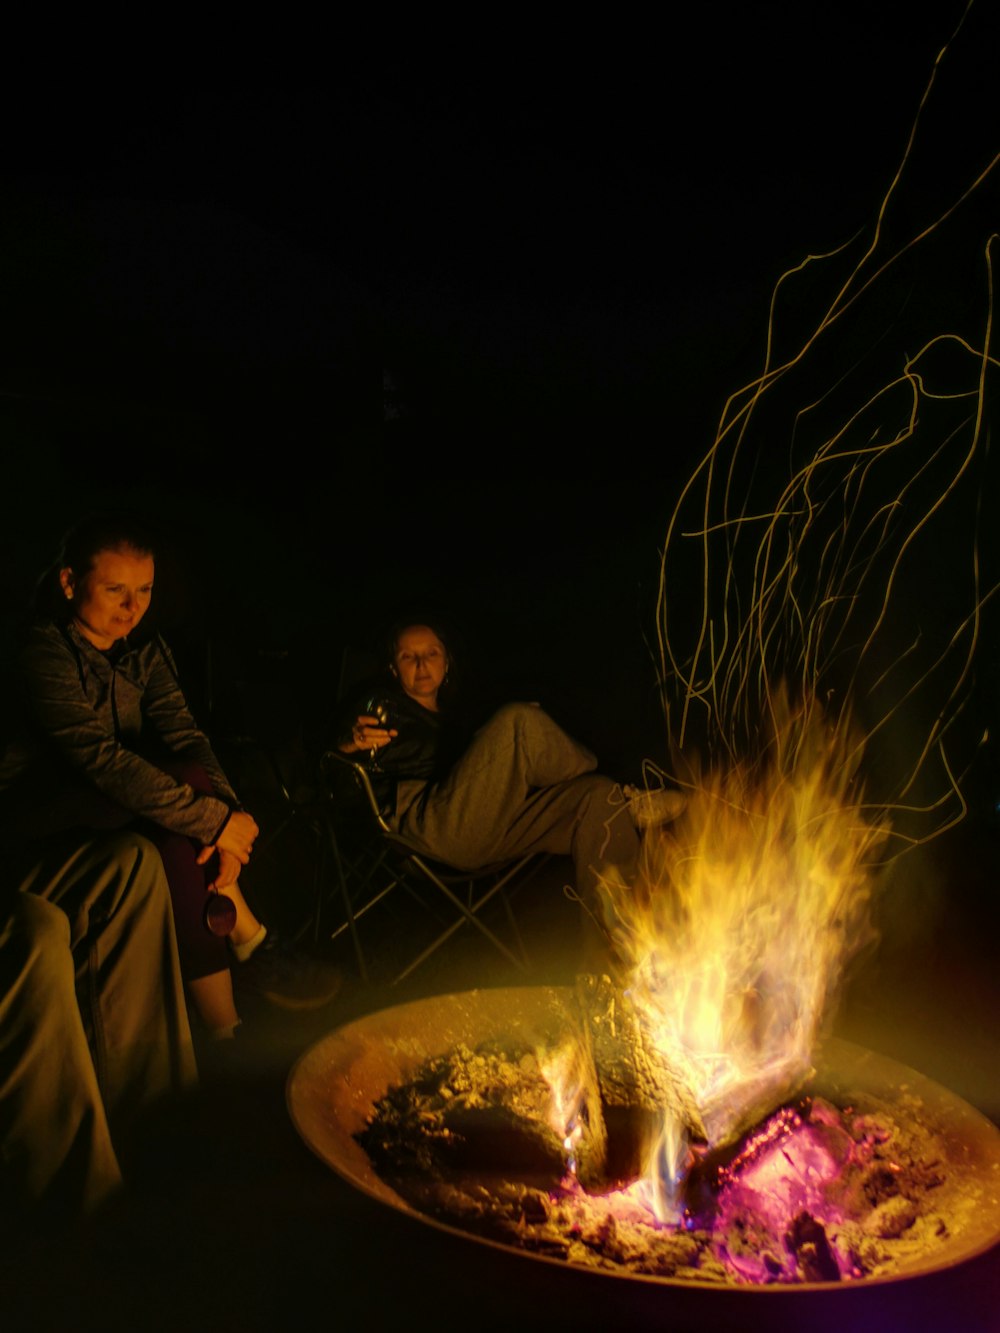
[[814, 1194], [441, 1108]]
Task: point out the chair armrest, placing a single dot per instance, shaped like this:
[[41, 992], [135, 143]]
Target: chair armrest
[[334, 766]]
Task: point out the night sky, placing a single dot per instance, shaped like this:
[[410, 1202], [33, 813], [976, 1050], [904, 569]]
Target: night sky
[[553, 244]]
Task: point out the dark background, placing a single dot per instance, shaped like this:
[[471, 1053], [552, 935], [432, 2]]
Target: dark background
[[442, 315], [554, 243]]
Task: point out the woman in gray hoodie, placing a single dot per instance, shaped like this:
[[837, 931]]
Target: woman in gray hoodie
[[107, 740]]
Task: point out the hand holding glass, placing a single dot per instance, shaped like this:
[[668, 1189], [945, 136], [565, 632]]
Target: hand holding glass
[[373, 729]]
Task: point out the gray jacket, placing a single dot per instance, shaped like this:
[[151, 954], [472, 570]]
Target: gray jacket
[[86, 714]]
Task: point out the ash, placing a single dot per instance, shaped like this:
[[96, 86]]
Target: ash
[[816, 1193]]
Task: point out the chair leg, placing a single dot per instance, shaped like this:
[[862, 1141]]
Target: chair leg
[[468, 915], [345, 897], [514, 930]]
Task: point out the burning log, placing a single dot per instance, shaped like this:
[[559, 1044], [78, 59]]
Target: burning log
[[492, 1110], [815, 1194], [873, 1173], [481, 1112], [628, 1089]]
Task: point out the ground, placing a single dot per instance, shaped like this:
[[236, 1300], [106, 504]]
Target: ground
[[233, 1222]]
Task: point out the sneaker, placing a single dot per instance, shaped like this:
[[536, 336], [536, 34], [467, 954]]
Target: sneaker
[[654, 806], [286, 976]]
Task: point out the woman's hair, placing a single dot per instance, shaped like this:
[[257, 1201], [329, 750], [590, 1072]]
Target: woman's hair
[[99, 532], [106, 530]]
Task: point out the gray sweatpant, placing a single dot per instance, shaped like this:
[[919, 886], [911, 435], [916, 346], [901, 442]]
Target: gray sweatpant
[[523, 785]]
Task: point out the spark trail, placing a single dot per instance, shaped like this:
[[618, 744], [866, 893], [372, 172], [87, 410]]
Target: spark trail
[[824, 582]]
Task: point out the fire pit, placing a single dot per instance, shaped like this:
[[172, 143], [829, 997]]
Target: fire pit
[[336, 1086]]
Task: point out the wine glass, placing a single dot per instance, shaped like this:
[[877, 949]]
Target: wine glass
[[379, 710]]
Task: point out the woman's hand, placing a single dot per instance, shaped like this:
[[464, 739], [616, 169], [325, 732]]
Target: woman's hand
[[238, 836], [368, 734], [228, 872]]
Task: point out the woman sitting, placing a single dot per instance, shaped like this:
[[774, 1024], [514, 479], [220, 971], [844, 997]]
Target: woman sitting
[[518, 784], [108, 741]]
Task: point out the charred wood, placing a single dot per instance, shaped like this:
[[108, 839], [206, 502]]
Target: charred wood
[[628, 1088]]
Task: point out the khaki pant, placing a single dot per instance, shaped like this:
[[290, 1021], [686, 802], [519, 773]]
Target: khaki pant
[[93, 1020], [523, 785]]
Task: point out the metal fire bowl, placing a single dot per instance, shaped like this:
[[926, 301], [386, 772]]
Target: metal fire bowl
[[333, 1087]]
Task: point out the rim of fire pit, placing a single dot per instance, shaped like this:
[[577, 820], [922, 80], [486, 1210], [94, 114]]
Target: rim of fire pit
[[332, 1089]]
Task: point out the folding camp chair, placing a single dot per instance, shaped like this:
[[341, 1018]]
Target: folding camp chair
[[372, 862]]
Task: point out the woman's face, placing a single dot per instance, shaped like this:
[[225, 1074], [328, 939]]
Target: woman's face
[[112, 596], [421, 664]]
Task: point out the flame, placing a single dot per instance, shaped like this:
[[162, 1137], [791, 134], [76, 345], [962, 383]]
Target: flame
[[735, 941], [560, 1066]]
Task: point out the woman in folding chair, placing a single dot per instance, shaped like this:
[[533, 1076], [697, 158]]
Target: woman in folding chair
[[517, 785]]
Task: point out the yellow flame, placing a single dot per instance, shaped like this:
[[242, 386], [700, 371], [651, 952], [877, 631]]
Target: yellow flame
[[735, 941], [560, 1066]]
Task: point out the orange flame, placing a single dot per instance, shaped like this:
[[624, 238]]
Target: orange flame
[[735, 942], [560, 1066]]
